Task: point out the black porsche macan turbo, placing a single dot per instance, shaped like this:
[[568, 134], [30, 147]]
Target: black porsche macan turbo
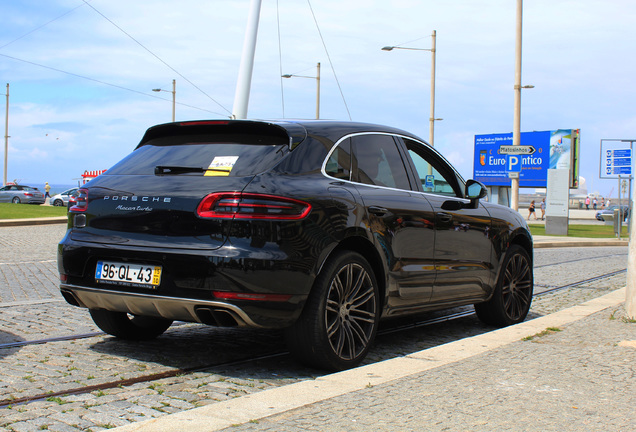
[[319, 227]]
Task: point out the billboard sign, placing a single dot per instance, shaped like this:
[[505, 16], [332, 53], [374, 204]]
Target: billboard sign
[[538, 152]]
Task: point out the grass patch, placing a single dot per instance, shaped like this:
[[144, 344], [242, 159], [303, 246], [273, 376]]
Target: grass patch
[[29, 211], [589, 231], [548, 331]]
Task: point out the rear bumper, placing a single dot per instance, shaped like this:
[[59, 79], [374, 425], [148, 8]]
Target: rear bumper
[[209, 312]]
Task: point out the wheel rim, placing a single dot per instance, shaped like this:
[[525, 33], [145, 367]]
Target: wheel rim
[[350, 314], [517, 287]]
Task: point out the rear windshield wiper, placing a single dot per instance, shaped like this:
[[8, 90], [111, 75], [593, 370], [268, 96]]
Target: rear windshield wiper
[[161, 170]]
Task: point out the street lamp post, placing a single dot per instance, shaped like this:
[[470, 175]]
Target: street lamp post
[[317, 78], [433, 50], [6, 140], [174, 96]]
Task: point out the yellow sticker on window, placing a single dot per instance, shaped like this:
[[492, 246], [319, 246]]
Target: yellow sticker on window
[[221, 166]]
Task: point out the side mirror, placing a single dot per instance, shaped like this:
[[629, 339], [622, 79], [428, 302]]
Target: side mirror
[[474, 192]]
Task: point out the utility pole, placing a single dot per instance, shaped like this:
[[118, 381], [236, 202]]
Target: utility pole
[[431, 130], [516, 131], [244, 82], [6, 140]]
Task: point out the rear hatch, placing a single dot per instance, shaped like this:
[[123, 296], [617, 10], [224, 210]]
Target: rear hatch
[[151, 197]]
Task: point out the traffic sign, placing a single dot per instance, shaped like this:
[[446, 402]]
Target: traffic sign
[[517, 149], [618, 162]]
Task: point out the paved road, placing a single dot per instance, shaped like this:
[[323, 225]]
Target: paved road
[[31, 308]]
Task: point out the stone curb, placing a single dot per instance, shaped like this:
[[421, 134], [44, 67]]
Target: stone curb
[[278, 400], [580, 243], [37, 221]]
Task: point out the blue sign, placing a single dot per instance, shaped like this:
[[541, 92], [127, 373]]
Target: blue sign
[[621, 153], [514, 163], [616, 158], [618, 162], [553, 150], [429, 181]]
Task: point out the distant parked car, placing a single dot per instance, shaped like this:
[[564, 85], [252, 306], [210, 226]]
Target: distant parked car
[[21, 194], [610, 211], [61, 199], [72, 199]]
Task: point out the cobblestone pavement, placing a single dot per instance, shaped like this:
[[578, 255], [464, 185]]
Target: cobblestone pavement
[[31, 308], [580, 378]]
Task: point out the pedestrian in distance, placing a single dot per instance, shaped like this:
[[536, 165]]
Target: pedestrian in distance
[[543, 209], [47, 189], [587, 203], [594, 203], [531, 211]]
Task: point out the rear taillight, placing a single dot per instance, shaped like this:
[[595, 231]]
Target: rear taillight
[[228, 205], [81, 201], [28, 194]]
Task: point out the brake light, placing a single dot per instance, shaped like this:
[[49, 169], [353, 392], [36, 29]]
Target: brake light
[[228, 205], [28, 194], [81, 201], [208, 122]]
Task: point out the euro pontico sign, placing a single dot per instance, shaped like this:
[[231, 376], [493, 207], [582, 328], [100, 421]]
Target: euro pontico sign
[[517, 149], [539, 151]]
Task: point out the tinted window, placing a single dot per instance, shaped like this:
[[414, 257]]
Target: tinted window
[[217, 159], [379, 162], [338, 165], [434, 174]]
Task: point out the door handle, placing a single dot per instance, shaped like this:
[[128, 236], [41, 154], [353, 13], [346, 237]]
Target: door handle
[[445, 217], [378, 211]]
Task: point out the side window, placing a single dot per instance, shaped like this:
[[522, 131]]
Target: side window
[[435, 176], [339, 163], [379, 162]]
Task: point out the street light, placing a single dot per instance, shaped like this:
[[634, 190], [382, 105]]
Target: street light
[[317, 78], [6, 139], [433, 50], [174, 95]]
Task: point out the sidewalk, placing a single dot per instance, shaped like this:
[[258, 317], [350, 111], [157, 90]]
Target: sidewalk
[[577, 378]]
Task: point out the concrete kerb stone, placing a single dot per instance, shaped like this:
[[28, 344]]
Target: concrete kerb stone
[[37, 221], [276, 401]]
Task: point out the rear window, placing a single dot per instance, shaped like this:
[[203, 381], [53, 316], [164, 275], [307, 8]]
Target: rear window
[[205, 158]]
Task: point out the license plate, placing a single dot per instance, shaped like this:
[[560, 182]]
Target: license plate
[[128, 274]]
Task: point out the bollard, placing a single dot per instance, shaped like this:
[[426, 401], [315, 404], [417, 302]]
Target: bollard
[[618, 223]]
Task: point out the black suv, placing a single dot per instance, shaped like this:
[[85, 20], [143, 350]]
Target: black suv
[[319, 227]]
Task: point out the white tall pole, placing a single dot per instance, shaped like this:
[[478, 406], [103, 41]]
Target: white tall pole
[[431, 132], [516, 132], [174, 98], [242, 95], [6, 139], [318, 91], [630, 296]]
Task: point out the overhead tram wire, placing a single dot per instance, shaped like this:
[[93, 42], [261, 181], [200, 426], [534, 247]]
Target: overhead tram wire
[[105, 83], [43, 25], [329, 58], [156, 56]]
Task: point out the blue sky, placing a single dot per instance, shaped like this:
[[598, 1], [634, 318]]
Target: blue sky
[[579, 55]]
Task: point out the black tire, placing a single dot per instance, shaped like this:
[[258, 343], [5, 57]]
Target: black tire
[[511, 300], [130, 327], [16, 200], [58, 203], [340, 319]]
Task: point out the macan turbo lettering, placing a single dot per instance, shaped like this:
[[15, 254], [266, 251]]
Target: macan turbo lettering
[[322, 228]]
